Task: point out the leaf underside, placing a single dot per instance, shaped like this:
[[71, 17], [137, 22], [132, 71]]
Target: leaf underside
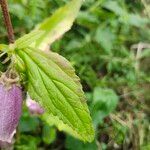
[[53, 83]]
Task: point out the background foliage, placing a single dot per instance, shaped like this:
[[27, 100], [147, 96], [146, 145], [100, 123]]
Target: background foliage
[[108, 46]]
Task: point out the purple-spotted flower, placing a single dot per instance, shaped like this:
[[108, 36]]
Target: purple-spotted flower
[[34, 107], [10, 108]]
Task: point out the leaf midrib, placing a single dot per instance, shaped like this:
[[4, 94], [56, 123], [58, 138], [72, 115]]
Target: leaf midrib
[[59, 91]]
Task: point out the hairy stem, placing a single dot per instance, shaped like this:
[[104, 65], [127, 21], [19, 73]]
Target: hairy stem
[[7, 20]]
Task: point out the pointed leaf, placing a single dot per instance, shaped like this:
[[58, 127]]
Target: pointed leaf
[[59, 23], [28, 39], [54, 120], [53, 83]]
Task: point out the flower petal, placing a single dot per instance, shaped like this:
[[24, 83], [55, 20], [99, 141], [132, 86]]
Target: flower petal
[[34, 107]]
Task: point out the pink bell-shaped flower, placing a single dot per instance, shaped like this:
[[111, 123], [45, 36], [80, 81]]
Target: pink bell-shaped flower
[[34, 107], [10, 108]]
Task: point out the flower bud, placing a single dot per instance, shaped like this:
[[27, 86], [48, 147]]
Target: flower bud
[[10, 110], [34, 107]]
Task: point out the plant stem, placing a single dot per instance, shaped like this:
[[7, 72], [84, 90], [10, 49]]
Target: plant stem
[[7, 21]]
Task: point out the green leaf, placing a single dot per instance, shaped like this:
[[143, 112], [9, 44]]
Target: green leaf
[[3, 48], [104, 102], [48, 134], [137, 20], [28, 39], [53, 83], [105, 37], [74, 144], [105, 99], [59, 23], [114, 7], [55, 121], [28, 123]]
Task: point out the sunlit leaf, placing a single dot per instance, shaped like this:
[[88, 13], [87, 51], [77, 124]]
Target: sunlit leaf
[[114, 7], [105, 37], [3, 47], [55, 121], [28, 39], [53, 83], [59, 23]]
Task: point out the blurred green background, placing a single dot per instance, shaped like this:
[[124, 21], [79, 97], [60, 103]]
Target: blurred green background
[[109, 46]]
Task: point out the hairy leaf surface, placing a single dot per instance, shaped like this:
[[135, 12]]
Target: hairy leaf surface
[[28, 39], [53, 83], [59, 23]]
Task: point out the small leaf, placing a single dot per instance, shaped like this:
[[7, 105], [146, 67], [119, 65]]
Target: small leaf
[[105, 37], [114, 7], [53, 83], [59, 23], [137, 20], [104, 102], [105, 99], [48, 134], [28, 39], [28, 123]]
